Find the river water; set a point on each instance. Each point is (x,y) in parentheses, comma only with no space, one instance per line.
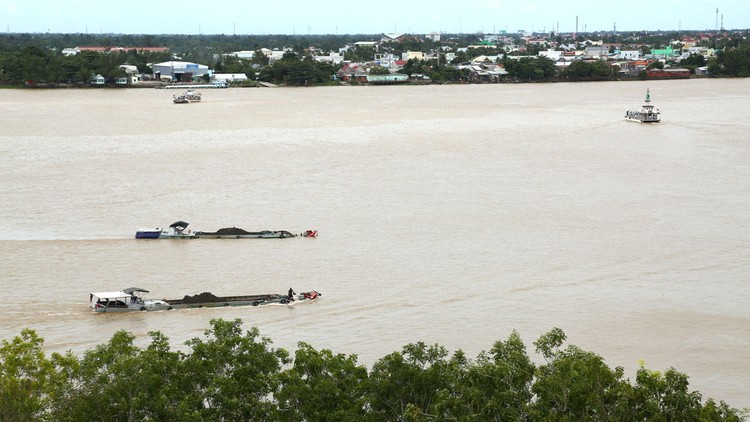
(447,214)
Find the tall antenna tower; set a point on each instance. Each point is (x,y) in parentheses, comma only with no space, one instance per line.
(717,18)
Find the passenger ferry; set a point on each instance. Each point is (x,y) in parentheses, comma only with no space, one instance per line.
(646,114)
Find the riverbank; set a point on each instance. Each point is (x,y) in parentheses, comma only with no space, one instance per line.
(416,82)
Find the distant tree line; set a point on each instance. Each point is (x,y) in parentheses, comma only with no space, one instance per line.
(231,375)
(45,66)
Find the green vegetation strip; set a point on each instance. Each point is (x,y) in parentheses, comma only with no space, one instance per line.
(231,375)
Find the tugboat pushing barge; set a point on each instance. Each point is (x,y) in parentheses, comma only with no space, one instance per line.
(131,299)
(177,231)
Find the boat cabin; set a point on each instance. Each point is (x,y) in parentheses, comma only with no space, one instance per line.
(121,301)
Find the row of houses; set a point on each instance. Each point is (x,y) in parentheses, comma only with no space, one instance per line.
(77,50)
(631,61)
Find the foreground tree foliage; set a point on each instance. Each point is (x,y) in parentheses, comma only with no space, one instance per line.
(234,375)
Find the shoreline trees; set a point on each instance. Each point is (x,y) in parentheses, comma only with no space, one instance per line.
(234,375)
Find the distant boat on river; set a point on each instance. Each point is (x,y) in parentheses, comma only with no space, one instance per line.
(646,114)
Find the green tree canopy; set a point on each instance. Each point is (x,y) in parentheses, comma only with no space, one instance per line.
(231,374)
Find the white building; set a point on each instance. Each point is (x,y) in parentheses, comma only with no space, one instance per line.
(174,70)
(230,77)
(385,60)
(333,58)
(553,55)
(245,54)
(132,73)
(274,55)
(629,55)
(596,51)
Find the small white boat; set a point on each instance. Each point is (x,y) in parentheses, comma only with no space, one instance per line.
(176,230)
(179,99)
(193,96)
(186,97)
(125,300)
(646,114)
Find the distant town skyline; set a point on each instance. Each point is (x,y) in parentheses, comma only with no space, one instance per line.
(386,16)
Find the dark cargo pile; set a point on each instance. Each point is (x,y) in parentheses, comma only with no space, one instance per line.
(204,297)
(231,231)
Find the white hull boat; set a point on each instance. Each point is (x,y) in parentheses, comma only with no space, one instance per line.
(125,300)
(646,114)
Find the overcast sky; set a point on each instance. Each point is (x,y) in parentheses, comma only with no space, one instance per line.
(373,17)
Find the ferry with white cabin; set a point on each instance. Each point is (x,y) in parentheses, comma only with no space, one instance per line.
(646,114)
